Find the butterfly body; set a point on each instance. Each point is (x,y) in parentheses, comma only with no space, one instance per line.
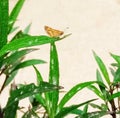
(53,32)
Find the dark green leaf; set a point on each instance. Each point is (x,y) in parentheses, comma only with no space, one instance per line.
(26,41)
(54,77)
(3,22)
(29,90)
(102,67)
(10,112)
(14,14)
(85,109)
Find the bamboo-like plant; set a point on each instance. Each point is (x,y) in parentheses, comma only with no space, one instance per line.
(12,53)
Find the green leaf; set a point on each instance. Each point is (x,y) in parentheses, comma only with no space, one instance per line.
(27,29)
(96,106)
(14,14)
(114,95)
(39,76)
(29,63)
(102,68)
(96,114)
(99,79)
(10,77)
(29,90)
(19,35)
(117,76)
(16,56)
(102,107)
(66,110)
(3,22)
(54,77)
(10,112)
(116,58)
(104,93)
(73,91)
(85,109)
(77,112)
(96,91)
(26,41)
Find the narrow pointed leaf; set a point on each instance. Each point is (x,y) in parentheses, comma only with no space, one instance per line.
(116,58)
(27,29)
(29,90)
(16,56)
(66,110)
(26,41)
(11,77)
(54,76)
(115,95)
(29,63)
(14,14)
(96,91)
(10,112)
(39,76)
(96,114)
(102,68)
(73,91)
(117,76)
(3,22)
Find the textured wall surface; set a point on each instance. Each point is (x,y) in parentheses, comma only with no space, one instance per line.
(94,24)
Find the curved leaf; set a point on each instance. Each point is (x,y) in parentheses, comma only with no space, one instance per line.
(26,41)
(73,91)
(29,63)
(29,90)
(14,14)
(96,91)
(102,68)
(66,110)
(115,95)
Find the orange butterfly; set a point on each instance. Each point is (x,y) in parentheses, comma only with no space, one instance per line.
(53,32)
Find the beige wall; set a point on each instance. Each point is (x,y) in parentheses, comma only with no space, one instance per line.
(94,24)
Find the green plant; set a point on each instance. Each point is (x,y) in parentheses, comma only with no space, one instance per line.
(53,108)
(109,93)
(12,53)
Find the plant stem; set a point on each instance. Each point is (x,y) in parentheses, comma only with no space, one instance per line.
(112,103)
(3,84)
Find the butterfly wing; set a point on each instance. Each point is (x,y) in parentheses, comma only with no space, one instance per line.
(53,32)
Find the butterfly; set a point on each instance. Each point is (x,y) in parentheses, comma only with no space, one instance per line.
(53,32)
